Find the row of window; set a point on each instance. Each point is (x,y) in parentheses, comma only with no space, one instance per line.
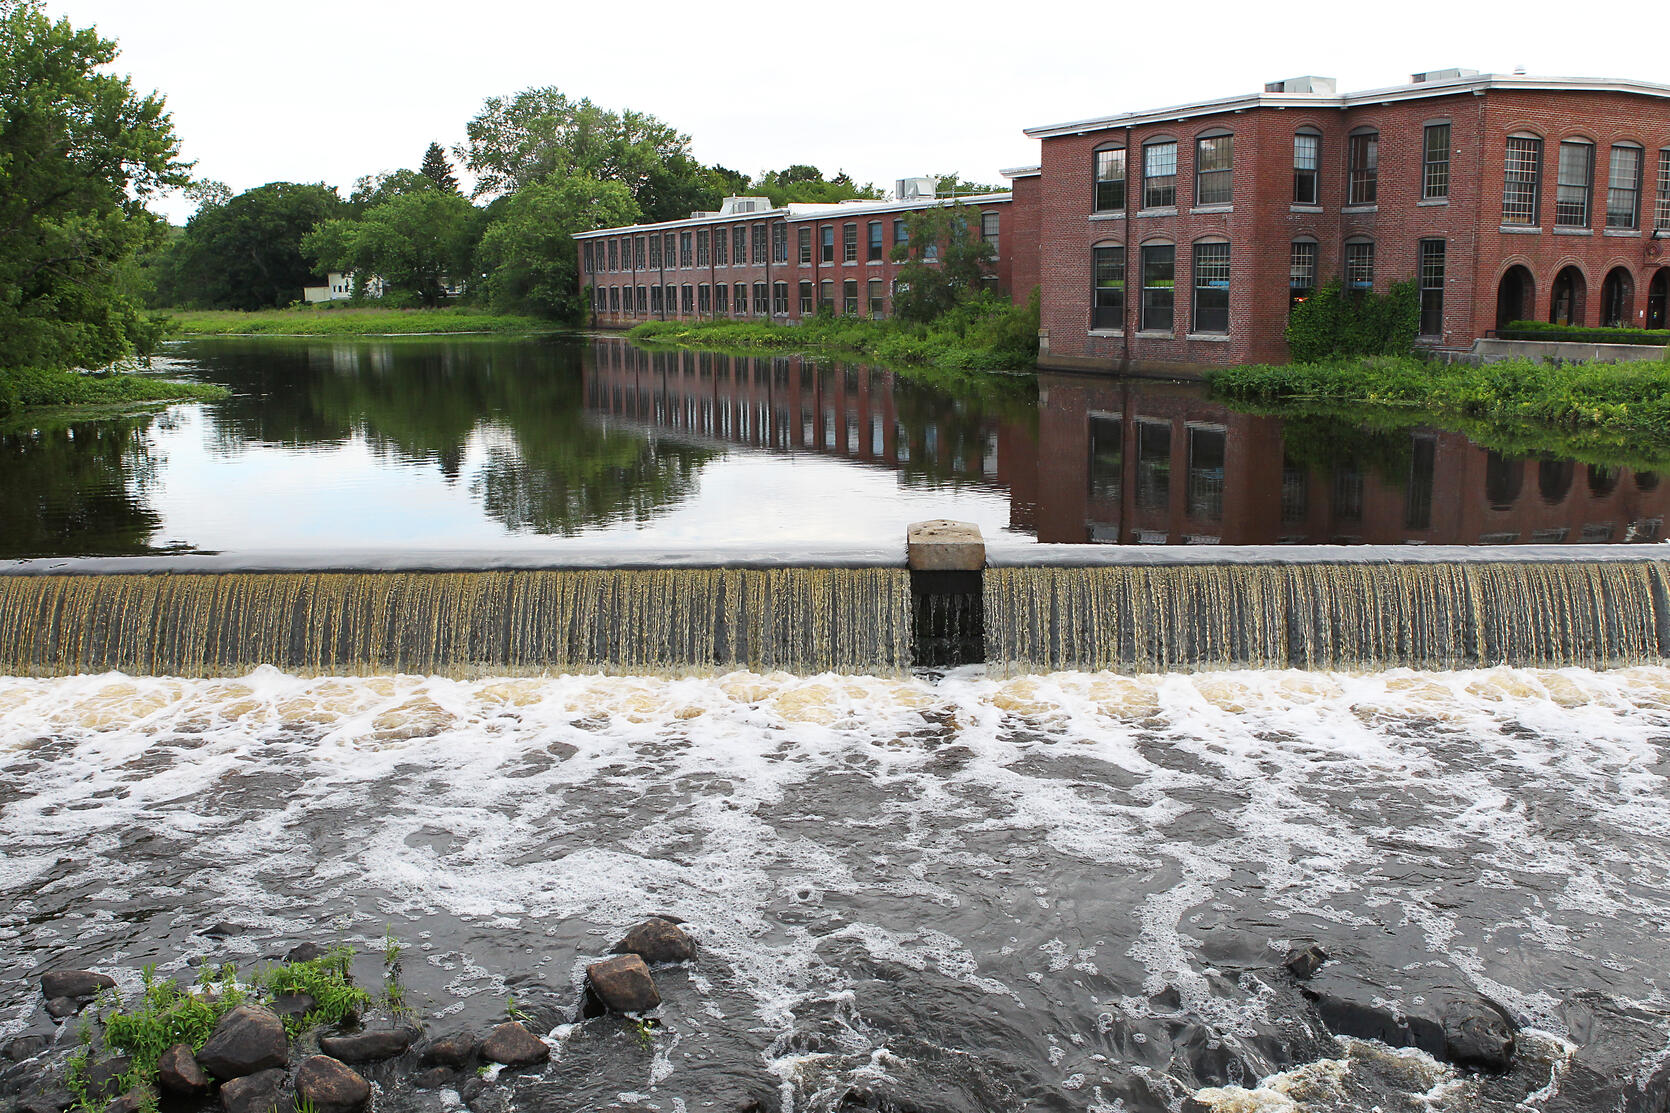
(733,300)
(1214,166)
(1210,282)
(697,247)
(1574,184)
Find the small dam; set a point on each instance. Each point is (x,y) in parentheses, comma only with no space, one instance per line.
(1044,608)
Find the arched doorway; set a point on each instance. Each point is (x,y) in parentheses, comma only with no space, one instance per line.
(1515,297)
(1566,306)
(1658,300)
(1554,479)
(1617,299)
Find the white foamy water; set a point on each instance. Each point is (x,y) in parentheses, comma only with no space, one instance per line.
(1001,893)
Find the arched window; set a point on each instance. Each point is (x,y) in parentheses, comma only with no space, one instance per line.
(1307,166)
(1521,179)
(1159,173)
(1574,183)
(1109,172)
(1301,271)
(1107,286)
(1623,187)
(1359,265)
(1214,168)
(1362,183)
(1211,287)
(1159,286)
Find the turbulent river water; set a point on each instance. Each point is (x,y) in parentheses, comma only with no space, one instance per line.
(1069,891)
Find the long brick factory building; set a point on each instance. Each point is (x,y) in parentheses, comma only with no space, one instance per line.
(1181,237)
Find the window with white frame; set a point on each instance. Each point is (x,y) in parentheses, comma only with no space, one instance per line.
(1623,187)
(1214,160)
(1107,309)
(1362,181)
(1159,286)
(1359,265)
(1435,161)
(1574,184)
(1211,288)
(1301,271)
(1521,174)
(1159,174)
(1307,160)
(1110,180)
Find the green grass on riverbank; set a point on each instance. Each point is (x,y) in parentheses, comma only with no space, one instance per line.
(1590,411)
(986,335)
(35,389)
(346,322)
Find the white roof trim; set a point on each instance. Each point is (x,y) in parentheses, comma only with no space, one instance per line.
(1449,87)
(1022,172)
(799,212)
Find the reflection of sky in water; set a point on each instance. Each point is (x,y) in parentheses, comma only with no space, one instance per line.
(350,496)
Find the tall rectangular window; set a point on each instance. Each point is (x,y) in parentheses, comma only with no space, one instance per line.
(1159,271)
(779,243)
(1623,188)
(704,302)
(721,292)
(1301,271)
(877,293)
(1432,288)
(990,223)
(1574,185)
(742,299)
(1110,181)
(739,244)
(1214,158)
(643,300)
(1211,304)
(849,243)
(672,299)
(806,298)
(1435,162)
(721,247)
(828,253)
(591,258)
(1153,463)
(655,293)
(669,242)
(1521,169)
(826,296)
(1107,456)
(1307,159)
(872,251)
(762,308)
(1159,175)
(901,233)
(1107,309)
(614,255)
(759,244)
(803,237)
(1359,266)
(1362,183)
(1205,493)
(638,253)
(655,253)
(1661,208)
(686,300)
(685,254)
(849,297)
(702,236)
(780,299)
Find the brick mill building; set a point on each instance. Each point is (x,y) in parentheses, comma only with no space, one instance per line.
(782,264)
(1181,237)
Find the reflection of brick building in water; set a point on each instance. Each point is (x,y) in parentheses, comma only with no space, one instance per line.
(1139,462)
(789,403)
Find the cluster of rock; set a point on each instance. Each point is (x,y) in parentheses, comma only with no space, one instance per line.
(251,1065)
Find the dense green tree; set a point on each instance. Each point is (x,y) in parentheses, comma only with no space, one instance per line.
(945,262)
(528,249)
(803,184)
(412,241)
(374,189)
(540,134)
(246,254)
(437,169)
(954,185)
(80,154)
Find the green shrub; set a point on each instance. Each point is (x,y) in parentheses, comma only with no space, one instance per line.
(1332,323)
(1543,330)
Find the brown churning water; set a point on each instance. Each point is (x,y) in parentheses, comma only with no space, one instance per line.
(802,620)
(1340,615)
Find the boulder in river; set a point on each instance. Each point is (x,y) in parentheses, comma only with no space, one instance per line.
(1303,962)
(367,1047)
(455,1050)
(331,1086)
(657,940)
(1444,1017)
(178,1072)
(266,1091)
(304,952)
(247,1040)
(623,984)
(74,983)
(288,1006)
(514,1046)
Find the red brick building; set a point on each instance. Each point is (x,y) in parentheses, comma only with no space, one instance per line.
(1180,236)
(780,264)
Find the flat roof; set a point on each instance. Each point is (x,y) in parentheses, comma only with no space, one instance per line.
(799,211)
(1477,83)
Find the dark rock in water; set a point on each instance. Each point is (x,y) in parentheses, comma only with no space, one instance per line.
(62,1008)
(304,952)
(657,940)
(1481,1038)
(74,983)
(221,929)
(104,1076)
(1302,962)
(1606,1072)
(623,984)
(247,1039)
(178,1072)
(21,1048)
(266,1091)
(365,1047)
(435,1078)
(514,1046)
(455,1050)
(132,1101)
(47,1101)
(331,1086)
(293,1005)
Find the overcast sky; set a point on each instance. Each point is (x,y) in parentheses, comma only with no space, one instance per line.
(334,90)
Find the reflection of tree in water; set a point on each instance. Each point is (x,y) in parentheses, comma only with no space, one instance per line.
(962,415)
(77,487)
(548,470)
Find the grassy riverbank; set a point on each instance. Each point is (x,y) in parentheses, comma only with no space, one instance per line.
(346,322)
(31,389)
(1590,411)
(988,335)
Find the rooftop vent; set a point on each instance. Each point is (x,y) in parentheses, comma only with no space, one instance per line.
(915,189)
(1450,74)
(744,205)
(1306,84)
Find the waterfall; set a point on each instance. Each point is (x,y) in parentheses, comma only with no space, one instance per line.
(458,623)
(1342,614)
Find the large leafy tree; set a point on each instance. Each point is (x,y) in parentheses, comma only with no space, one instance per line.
(801,183)
(80,154)
(412,240)
(541,134)
(528,250)
(246,254)
(945,262)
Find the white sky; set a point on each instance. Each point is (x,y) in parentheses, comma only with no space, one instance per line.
(335,89)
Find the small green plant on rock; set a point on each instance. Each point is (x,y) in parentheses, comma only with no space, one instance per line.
(644,1029)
